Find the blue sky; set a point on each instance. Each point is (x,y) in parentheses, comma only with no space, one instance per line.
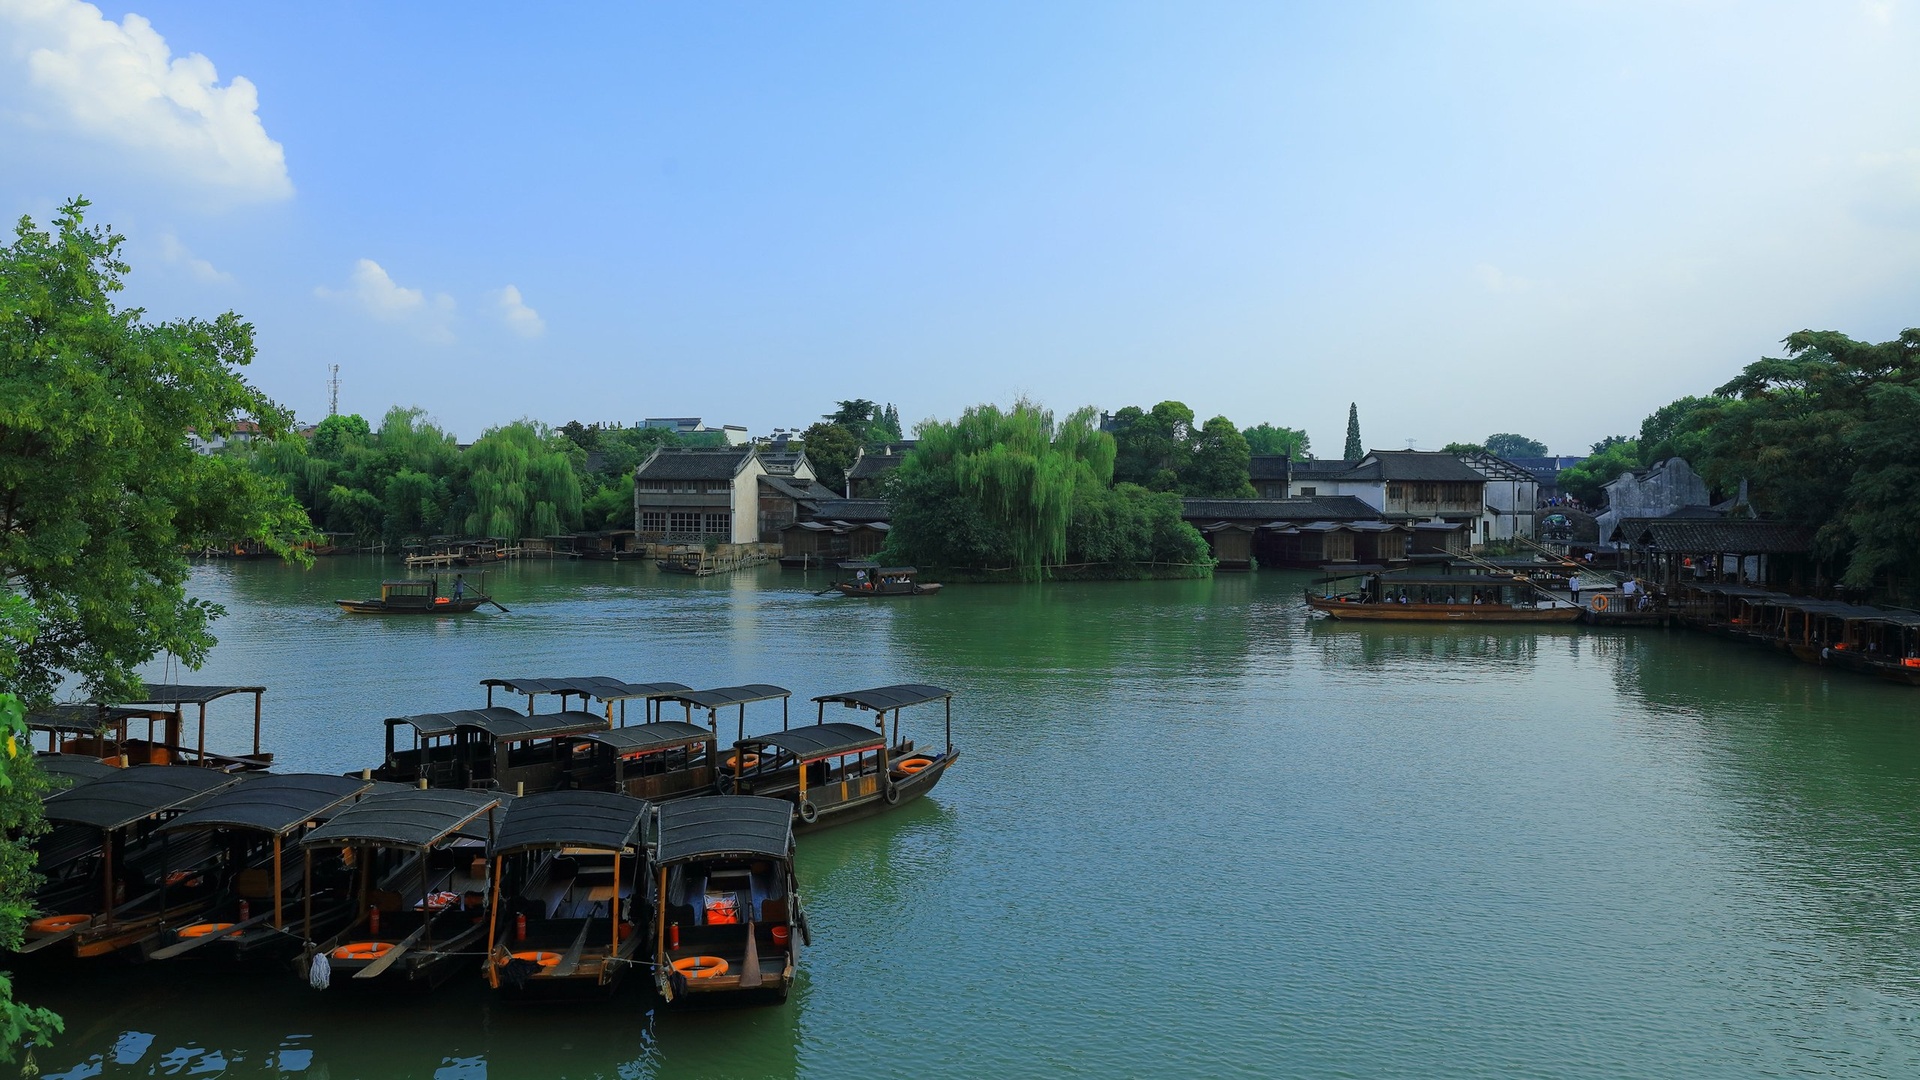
(1543,218)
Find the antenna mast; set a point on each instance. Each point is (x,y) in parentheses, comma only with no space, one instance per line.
(333,392)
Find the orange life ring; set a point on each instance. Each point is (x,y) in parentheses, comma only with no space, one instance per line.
(58,924)
(915,764)
(1600,602)
(363,950)
(441,600)
(748,762)
(700,967)
(544,959)
(202,929)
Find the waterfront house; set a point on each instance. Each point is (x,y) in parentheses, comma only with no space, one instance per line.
(1310,478)
(1512,495)
(1270,475)
(689,496)
(869,471)
(859,527)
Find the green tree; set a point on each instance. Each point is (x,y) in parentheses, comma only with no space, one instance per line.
(100,494)
(22,787)
(1508,445)
(1678,429)
(1610,442)
(1152,448)
(333,435)
(1216,466)
(831,449)
(886,426)
(1355,449)
(1587,481)
(521,481)
(1464,448)
(1268,439)
(856,416)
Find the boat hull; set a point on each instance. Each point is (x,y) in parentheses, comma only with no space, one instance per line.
(380,607)
(915,589)
(1479,613)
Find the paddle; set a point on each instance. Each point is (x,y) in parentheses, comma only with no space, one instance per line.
(374,969)
(750,968)
(498,604)
(570,961)
(190,944)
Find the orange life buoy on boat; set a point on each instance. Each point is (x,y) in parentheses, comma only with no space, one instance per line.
(441,600)
(544,959)
(58,924)
(203,929)
(363,950)
(700,967)
(1600,602)
(747,762)
(915,764)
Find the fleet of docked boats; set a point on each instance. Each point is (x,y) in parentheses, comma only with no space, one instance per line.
(550,854)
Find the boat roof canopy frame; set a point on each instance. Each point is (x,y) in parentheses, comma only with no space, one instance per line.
(276,803)
(596,820)
(815,741)
(716,826)
(135,793)
(414,817)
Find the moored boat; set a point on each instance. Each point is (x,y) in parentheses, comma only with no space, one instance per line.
(419,857)
(569,868)
(262,892)
(1430,597)
(836,772)
(496,748)
(728,924)
(415,596)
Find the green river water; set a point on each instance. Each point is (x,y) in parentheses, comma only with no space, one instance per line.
(1194,832)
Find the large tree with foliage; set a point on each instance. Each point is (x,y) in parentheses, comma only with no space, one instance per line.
(101,495)
(1216,463)
(22,787)
(1587,480)
(1355,449)
(1508,445)
(1268,439)
(830,449)
(521,480)
(1151,447)
(856,416)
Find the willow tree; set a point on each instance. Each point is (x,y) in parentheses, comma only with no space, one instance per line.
(1017,472)
(521,482)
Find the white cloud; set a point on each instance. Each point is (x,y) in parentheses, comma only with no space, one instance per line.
(177,253)
(376,293)
(119,84)
(519,318)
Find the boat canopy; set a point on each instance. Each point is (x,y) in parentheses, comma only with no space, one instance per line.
(84,719)
(171,694)
(275,804)
(114,802)
(76,768)
(884,698)
(647,738)
(415,817)
(720,825)
(730,695)
(598,820)
(820,740)
(501,723)
(598,687)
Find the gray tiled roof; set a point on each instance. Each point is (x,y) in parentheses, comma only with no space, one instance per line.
(686,464)
(872,465)
(1267,467)
(1262,511)
(852,510)
(1422,465)
(1310,469)
(1697,536)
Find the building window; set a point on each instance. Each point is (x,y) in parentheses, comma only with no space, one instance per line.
(1394,492)
(719,524)
(653,485)
(718,487)
(653,521)
(1309,491)
(684,521)
(685,487)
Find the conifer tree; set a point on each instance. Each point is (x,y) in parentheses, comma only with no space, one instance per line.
(1355,449)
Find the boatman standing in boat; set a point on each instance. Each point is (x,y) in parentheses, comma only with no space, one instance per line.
(459,586)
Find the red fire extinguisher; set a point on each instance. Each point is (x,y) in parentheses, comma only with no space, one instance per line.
(520,927)
(673,936)
(373,920)
(246,912)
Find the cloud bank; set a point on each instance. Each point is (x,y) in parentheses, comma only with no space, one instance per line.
(118,84)
(519,318)
(373,290)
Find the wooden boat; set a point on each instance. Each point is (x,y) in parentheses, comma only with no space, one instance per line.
(591,688)
(657,759)
(835,772)
(114,879)
(568,868)
(420,857)
(1445,597)
(884,581)
(729,923)
(414,596)
(257,894)
(495,748)
(104,732)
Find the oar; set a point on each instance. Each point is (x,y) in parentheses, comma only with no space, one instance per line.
(191,944)
(750,967)
(375,969)
(570,960)
(498,604)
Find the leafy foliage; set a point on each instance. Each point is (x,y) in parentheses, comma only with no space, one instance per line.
(1267,439)
(1355,449)
(100,492)
(1152,447)
(521,480)
(1508,445)
(831,448)
(857,416)
(1587,481)
(1216,464)
(1464,448)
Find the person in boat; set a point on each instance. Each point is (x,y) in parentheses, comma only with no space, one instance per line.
(861,577)
(459,586)
(1573,588)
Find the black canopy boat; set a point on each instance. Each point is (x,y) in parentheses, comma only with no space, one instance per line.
(496,748)
(657,759)
(417,596)
(835,772)
(871,579)
(260,889)
(567,867)
(103,731)
(421,908)
(113,878)
(728,922)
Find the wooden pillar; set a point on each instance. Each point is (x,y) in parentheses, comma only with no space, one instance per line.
(278,922)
